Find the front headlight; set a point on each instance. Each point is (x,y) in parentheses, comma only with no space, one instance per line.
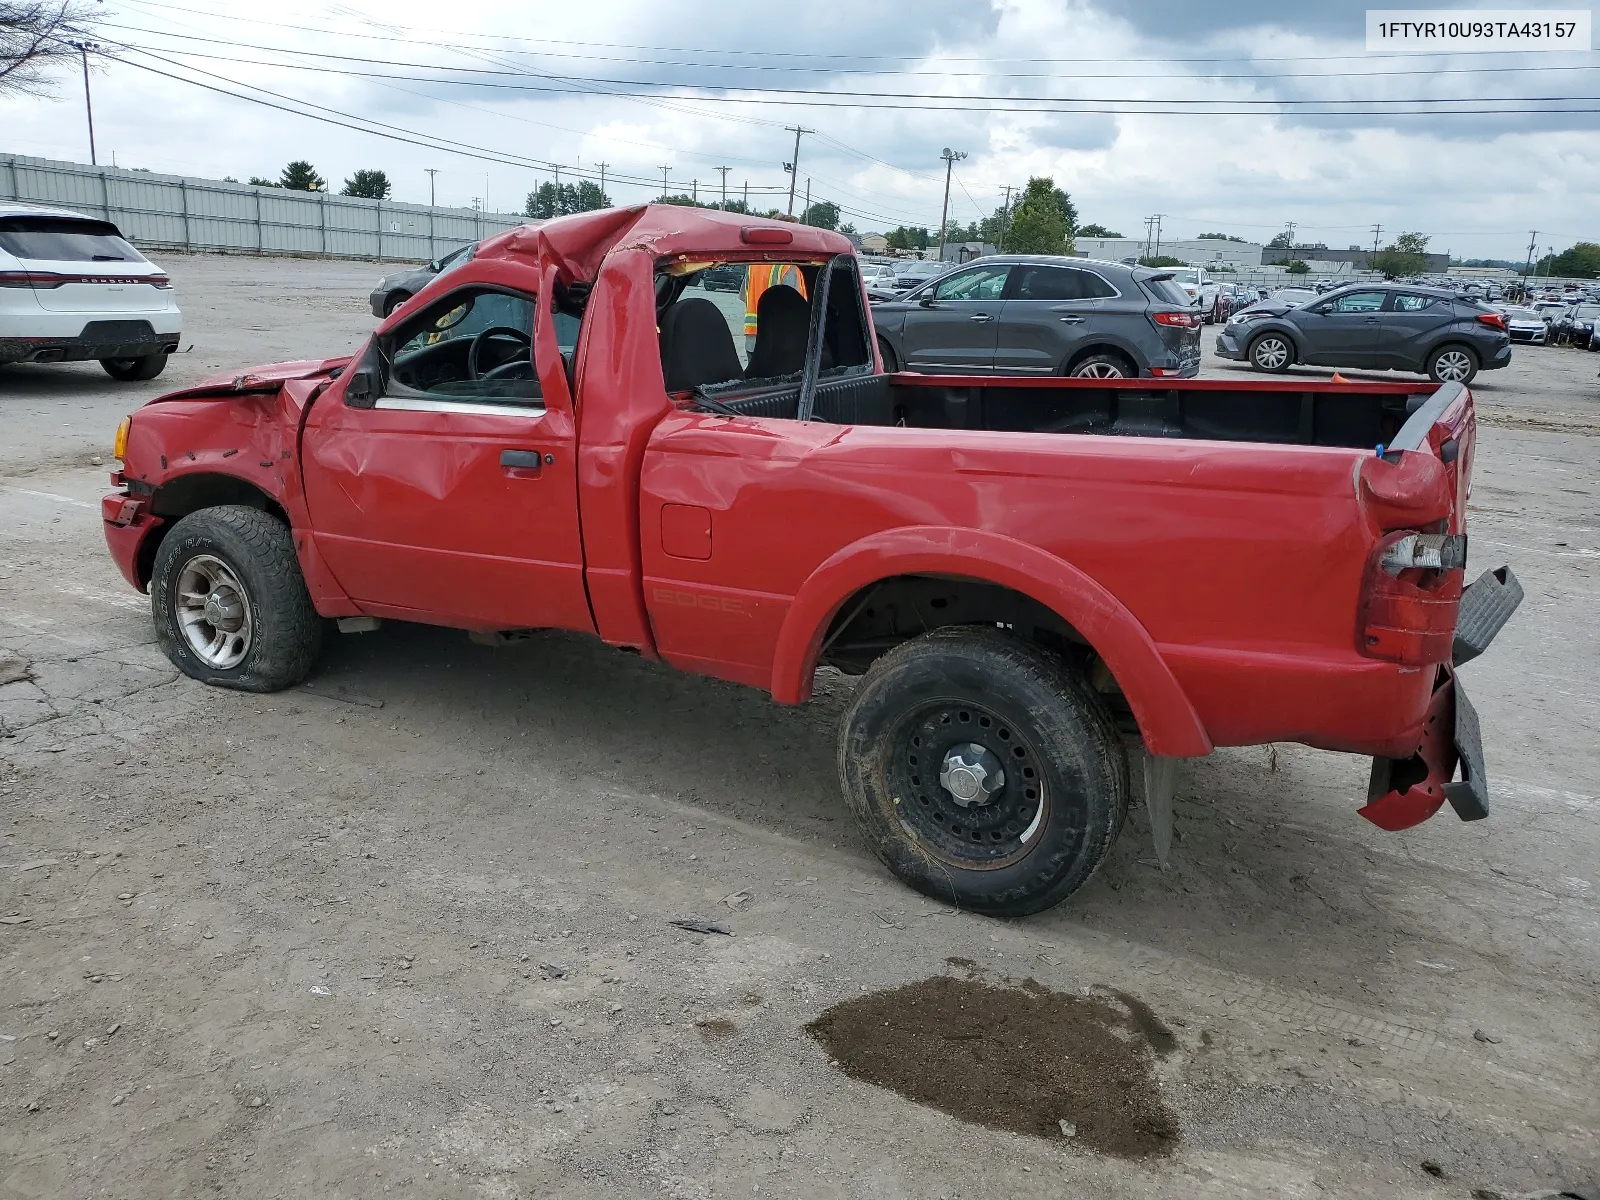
(119,444)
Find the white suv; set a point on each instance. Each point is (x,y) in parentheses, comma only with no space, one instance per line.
(1201,289)
(72,289)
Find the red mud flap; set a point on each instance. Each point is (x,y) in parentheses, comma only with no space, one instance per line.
(1406,792)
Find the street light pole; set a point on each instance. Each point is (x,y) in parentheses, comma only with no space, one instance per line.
(83,49)
(951,157)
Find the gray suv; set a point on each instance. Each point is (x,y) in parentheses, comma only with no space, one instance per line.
(1035,315)
(1383,326)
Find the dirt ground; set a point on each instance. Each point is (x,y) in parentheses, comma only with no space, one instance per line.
(404,931)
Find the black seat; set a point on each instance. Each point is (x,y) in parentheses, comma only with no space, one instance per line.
(696,346)
(783,326)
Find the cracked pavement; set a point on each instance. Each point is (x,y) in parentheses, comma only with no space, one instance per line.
(404,931)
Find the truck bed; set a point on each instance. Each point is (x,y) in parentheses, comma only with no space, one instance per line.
(1288,412)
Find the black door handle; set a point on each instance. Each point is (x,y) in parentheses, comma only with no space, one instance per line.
(523,460)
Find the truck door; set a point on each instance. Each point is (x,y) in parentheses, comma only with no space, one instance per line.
(442,484)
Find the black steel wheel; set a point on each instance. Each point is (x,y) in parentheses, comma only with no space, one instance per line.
(983,771)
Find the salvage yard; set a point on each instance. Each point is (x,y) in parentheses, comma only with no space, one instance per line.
(407,929)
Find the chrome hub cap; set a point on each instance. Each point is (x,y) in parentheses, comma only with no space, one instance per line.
(1272,353)
(213,611)
(971,774)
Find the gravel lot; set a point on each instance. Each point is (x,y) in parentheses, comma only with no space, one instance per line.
(404,931)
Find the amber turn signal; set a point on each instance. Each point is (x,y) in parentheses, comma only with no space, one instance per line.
(119,448)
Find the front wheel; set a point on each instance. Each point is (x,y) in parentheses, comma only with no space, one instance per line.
(1271,352)
(891,363)
(132,370)
(394,301)
(230,605)
(1452,364)
(982,771)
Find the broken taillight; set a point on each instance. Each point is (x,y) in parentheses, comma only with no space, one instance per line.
(1410,597)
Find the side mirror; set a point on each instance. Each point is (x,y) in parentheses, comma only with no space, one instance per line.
(359,392)
(926,301)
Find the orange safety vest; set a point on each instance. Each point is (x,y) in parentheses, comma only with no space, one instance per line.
(758,278)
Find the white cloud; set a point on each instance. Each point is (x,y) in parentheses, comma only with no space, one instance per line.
(1472,183)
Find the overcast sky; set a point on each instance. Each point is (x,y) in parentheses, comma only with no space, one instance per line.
(531,80)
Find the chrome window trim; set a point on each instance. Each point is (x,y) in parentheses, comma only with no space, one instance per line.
(465,407)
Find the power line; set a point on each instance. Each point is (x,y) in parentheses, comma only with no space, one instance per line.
(718,92)
(810,55)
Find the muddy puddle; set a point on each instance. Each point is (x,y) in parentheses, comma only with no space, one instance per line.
(1016,1057)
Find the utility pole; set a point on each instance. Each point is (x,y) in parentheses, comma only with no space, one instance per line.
(555,203)
(794,167)
(432,171)
(1149,236)
(1158,217)
(83,49)
(1377,230)
(951,158)
(603,167)
(1005,220)
(694,191)
(664,171)
(805,213)
(747,195)
(1533,238)
(724,171)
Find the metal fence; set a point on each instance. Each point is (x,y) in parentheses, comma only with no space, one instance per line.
(178,213)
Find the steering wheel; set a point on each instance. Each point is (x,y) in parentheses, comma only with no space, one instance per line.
(494,331)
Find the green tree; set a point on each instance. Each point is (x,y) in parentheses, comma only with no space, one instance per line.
(1582,261)
(301,176)
(1406,255)
(1160,260)
(588,196)
(1281,241)
(1298,267)
(822,214)
(1216,237)
(682,200)
(848,228)
(545,201)
(1100,231)
(1044,220)
(369,185)
(257,181)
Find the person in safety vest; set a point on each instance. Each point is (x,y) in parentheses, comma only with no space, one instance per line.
(758,277)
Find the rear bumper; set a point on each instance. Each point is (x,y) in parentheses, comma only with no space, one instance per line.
(1406,792)
(96,339)
(1499,357)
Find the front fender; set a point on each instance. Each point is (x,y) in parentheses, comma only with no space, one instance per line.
(1168,722)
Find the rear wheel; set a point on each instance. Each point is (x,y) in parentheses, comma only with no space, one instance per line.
(890,362)
(1271,352)
(1452,364)
(230,605)
(1102,366)
(982,771)
(131,370)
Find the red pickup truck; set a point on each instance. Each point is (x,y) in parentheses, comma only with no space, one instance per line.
(1033,575)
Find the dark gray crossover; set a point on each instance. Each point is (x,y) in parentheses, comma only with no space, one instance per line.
(396,288)
(1027,315)
(1394,327)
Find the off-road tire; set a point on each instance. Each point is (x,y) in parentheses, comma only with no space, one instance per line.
(1259,348)
(286,634)
(1039,710)
(1453,349)
(133,370)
